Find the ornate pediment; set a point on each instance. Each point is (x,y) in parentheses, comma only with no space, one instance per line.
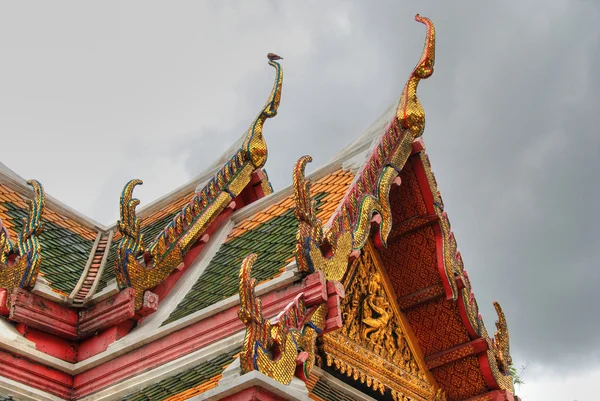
(372,346)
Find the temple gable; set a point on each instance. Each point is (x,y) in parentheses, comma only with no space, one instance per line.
(373,346)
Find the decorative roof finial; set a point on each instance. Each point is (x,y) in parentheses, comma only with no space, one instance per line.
(281,348)
(255,145)
(310,238)
(132,242)
(165,253)
(501,342)
(310,228)
(32,227)
(24,271)
(411,114)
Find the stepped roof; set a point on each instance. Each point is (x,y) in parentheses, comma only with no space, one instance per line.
(172,268)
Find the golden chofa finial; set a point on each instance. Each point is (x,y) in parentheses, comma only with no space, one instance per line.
(411,114)
(254,144)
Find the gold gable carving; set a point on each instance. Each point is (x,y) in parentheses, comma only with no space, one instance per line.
(372,346)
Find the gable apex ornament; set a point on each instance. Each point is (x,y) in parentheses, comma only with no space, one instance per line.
(350,227)
(143,267)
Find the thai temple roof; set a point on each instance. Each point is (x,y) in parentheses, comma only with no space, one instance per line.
(146,308)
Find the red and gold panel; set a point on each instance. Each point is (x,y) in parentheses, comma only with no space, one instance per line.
(406,200)
(438,326)
(374,345)
(411,262)
(461,379)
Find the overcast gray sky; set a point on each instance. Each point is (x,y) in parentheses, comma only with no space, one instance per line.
(93,94)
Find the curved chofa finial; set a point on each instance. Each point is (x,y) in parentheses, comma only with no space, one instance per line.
(286,346)
(254,144)
(501,342)
(350,227)
(309,237)
(411,114)
(22,271)
(165,253)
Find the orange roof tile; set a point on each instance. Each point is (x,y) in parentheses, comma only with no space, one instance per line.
(334,184)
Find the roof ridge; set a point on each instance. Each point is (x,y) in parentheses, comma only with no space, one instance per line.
(192,185)
(217,194)
(375,130)
(19,185)
(277,196)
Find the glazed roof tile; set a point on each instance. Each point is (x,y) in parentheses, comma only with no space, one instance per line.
(271,233)
(65,244)
(186,384)
(152,225)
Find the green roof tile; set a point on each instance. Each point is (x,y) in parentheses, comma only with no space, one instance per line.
(183,381)
(64,253)
(273,241)
(149,231)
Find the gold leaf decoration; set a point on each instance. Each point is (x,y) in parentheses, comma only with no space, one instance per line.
(20,261)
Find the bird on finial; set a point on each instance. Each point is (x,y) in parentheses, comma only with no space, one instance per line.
(273,57)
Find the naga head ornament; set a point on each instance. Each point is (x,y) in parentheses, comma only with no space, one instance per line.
(23,271)
(310,229)
(129,224)
(132,242)
(501,341)
(310,237)
(285,347)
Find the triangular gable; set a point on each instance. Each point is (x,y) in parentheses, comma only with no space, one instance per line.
(374,345)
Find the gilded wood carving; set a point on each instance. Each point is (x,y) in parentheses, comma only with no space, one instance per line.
(501,342)
(350,226)
(372,346)
(286,346)
(20,261)
(144,267)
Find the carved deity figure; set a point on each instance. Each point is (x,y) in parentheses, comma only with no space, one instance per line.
(376,312)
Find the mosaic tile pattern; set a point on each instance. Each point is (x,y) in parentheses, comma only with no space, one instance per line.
(412,265)
(412,262)
(65,244)
(271,234)
(406,200)
(461,379)
(437,325)
(187,384)
(152,225)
